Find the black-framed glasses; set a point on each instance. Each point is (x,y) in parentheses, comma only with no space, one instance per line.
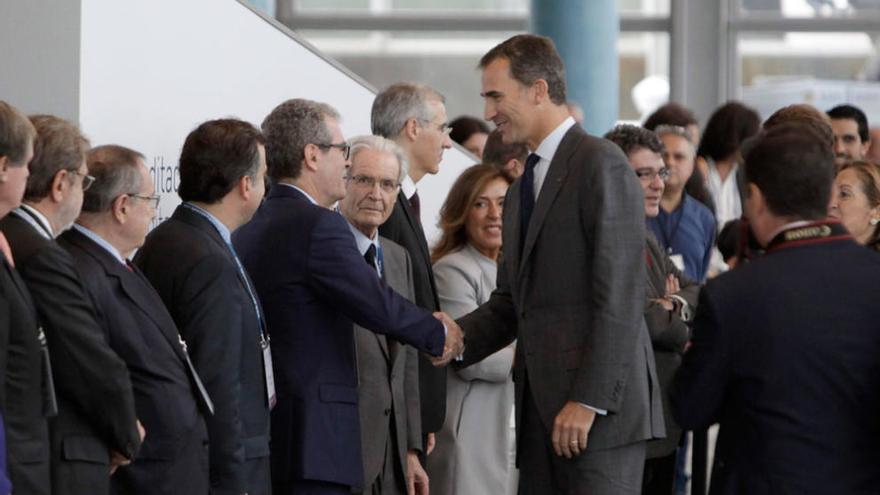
(647,175)
(344,147)
(154,199)
(87,180)
(367,182)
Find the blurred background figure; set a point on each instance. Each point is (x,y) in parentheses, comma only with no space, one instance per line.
(471,133)
(852,138)
(510,159)
(855,201)
(673,113)
(476,447)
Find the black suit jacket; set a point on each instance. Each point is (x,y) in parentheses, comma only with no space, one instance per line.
(194,271)
(785,357)
(21,397)
(172,459)
(96,411)
(404,228)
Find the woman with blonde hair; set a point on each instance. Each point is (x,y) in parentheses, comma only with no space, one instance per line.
(475,447)
(855,201)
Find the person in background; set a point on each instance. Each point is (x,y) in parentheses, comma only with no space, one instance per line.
(190,261)
(855,201)
(471,133)
(684,227)
(719,153)
(671,298)
(676,114)
(852,137)
(475,449)
(510,159)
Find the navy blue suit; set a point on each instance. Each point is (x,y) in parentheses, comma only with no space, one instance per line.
(786,357)
(313,284)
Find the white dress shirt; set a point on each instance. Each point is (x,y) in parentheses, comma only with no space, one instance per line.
(546,150)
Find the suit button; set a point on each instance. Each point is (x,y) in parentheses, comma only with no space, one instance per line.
(387,411)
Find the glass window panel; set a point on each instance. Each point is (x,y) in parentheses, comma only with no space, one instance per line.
(448,60)
(822,69)
(628,7)
(808,8)
(330,5)
(644,7)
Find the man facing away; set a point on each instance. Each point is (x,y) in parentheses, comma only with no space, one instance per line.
(388,377)
(168,394)
(571,288)
(95,429)
(190,261)
(784,348)
(313,284)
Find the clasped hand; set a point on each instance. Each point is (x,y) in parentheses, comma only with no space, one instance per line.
(454,345)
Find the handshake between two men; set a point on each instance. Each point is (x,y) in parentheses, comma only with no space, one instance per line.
(454,345)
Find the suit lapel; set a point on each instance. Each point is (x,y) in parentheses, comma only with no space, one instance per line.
(549,190)
(414,222)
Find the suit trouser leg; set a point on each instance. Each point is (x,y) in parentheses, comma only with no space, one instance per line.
(310,487)
(615,471)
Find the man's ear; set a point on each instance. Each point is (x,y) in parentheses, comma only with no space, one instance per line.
(245,186)
(120,206)
(540,90)
(60,185)
(4,168)
(310,157)
(754,194)
(411,129)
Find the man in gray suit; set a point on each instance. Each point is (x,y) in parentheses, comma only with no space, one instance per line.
(388,373)
(571,288)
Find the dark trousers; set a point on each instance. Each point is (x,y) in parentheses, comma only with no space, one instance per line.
(615,471)
(659,475)
(310,487)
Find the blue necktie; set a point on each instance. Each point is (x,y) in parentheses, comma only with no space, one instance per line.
(527,197)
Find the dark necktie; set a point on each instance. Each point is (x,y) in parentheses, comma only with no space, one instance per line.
(416,206)
(370,256)
(527,197)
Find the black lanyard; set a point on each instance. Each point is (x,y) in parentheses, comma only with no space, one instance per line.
(670,237)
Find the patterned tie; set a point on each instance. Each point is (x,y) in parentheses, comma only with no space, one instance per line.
(416,204)
(527,197)
(6,250)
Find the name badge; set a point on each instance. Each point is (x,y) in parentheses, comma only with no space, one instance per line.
(270,376)
(677,260)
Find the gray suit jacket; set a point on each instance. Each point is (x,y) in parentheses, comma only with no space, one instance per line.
(574,295)
(388,379)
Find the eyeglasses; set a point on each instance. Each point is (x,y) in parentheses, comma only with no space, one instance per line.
(87,180)
(442,128)
(646,175)
(344,147)
(367,182)
(154,199)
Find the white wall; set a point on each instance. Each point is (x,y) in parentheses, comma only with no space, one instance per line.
(150,71)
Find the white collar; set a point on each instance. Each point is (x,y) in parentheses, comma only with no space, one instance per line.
(100,241)
(37,220)
(408,187)
(363,242)
(547,148)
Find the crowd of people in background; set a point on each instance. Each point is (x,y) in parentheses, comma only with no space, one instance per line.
(589,300)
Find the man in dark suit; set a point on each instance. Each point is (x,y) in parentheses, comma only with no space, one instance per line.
(414,116)
(784,349)
(313,285)
(190,261)
(21,371)
(95,429)
(388,377)
(115,216)
(571,288)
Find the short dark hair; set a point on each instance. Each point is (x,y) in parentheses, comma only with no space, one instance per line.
(59,146)
(215,156)
(793,169)
(804,114)
(630,138)
(288,129)
(115,169)
(853,113)
(671,113)
(497,153)
(16,134)
(466,126)
(728,127)
(532,57)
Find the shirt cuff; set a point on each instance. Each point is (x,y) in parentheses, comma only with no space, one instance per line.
(601,412)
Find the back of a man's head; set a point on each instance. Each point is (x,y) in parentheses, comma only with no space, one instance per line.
(498,154)
(116,172)
(794,170)
(288,129)
(398,103)
(531,58)
(671,113)
(803,114)
(59,146)
(851,112)
(215,155)
(16,134)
